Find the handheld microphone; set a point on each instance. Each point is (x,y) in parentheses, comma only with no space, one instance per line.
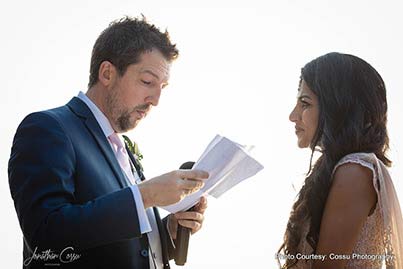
(183,233)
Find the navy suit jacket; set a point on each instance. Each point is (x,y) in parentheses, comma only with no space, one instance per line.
(71,196)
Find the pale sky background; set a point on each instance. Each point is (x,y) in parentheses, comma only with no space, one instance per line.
(237,76)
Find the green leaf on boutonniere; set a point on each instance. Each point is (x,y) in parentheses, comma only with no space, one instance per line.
(134,149)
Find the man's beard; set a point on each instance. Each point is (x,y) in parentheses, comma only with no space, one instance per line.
(124,123)
(121,116)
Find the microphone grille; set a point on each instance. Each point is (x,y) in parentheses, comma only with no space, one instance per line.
(187,165)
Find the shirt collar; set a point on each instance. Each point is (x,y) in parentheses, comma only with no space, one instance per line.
(99,116)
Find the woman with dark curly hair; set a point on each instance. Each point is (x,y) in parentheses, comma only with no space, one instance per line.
(347,214)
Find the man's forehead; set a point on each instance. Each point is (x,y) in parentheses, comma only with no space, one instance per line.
(156,71)
(155,64)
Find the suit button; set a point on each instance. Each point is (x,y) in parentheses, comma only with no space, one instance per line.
(144,253)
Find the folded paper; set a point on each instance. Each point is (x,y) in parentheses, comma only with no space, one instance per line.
(228,164)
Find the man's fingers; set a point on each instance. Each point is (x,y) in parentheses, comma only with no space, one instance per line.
(191,184)
(193,174)
(191,224)
(203,201)
(201,205)
(189,215)
(191,181)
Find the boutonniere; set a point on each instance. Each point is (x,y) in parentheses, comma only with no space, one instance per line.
(134,149)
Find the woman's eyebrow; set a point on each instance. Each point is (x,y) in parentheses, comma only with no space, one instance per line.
(304,96)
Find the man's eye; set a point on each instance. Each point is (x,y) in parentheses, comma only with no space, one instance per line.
(146,82)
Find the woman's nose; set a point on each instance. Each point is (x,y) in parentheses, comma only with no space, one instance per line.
(293,117)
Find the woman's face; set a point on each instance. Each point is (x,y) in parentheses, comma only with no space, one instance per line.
(305,115)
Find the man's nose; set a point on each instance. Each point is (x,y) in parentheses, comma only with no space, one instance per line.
(154,98)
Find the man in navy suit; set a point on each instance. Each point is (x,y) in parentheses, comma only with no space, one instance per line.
(79,193)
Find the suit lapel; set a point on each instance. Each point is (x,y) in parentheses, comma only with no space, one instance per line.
(81,109)
(135,163)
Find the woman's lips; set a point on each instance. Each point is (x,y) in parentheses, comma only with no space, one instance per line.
(298,129)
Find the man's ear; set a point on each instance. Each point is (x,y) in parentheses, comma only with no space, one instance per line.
(107,73)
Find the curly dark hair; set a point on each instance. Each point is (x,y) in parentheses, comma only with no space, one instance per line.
(352,118)
(124,41)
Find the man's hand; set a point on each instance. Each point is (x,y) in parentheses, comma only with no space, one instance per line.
(172,187)
(192,219)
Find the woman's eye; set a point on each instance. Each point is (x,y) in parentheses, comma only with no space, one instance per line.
(304,104)
(146,82)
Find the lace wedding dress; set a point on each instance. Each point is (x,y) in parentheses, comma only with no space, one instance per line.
(380,244)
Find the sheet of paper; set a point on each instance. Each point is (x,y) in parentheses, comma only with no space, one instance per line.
(228,164)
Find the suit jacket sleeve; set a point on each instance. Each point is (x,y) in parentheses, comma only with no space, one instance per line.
(42,170)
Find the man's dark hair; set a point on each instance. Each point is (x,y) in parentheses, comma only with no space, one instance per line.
(124,41)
